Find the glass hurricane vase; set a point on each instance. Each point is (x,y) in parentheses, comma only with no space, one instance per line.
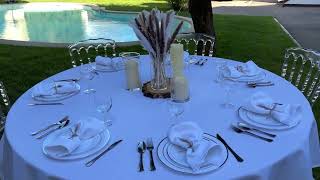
(159,78)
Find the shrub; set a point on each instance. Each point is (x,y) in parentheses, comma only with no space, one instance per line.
(178,4)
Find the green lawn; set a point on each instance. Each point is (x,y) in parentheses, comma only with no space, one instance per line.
(238,37)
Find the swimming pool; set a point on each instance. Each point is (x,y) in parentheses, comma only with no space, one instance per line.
(65,23)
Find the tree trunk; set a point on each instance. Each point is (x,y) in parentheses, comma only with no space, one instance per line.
(202,16)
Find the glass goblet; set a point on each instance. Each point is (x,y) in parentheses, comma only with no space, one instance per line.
(103,106)
(87,74)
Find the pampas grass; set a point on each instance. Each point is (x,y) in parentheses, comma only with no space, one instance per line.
(155,31)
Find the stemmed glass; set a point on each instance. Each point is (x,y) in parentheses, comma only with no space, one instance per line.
(103,106)
(227,85)
(175,109)
(87,73)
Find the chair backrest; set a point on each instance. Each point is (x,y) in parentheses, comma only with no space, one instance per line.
(197,43)
(301,67)
(85,51)
(4,106)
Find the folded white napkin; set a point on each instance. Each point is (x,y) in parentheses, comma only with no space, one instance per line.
(68,141)
(52,88)
(261,103)
(103,61)
(189,136)
(247,69)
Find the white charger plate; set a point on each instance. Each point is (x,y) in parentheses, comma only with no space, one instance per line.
(87,147)
(177,163)
(118,65)
(265,122)
(257,78)
(57,97)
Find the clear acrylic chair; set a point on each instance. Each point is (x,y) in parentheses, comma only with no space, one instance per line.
(85,51)
(197,43)
(301,67)
(4,107)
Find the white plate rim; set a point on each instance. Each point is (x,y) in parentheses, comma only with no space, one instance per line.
(185,166)
(184,170)
(243,116)
(115,69)
(104,138)
(257,78)
(62,97)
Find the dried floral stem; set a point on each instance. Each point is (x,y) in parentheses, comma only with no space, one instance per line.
(154,30)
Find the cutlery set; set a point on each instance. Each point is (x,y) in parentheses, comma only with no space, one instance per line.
(68,80)
(200,62)
(243,128)
(259,84)
(51,128)
(238,130)
(142,148)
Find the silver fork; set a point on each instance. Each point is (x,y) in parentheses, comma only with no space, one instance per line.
(150,147)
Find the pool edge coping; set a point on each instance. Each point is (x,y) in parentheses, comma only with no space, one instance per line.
(64,45)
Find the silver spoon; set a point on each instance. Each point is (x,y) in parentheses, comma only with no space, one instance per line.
(238,130)
(141,150)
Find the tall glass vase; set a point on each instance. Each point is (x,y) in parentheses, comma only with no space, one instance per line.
(159,78)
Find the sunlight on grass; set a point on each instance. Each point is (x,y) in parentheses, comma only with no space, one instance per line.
(132,5)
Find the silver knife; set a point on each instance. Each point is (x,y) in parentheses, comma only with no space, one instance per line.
(43,104)
(91,162)
(64,124)
(50,126)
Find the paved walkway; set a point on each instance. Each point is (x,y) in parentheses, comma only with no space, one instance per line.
(303,23)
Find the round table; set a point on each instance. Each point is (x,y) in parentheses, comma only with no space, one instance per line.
(291,156)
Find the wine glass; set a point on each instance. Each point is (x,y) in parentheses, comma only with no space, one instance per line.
(87,74)
(103,106)
(227,85)
(175,109)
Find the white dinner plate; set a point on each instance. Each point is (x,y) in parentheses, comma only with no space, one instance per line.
(257,78)
(87,147)
(118,65)
(57,97)
(265,122)
(175,160)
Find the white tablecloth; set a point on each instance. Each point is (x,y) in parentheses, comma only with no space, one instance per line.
(291,156)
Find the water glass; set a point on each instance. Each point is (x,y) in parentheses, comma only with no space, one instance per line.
(87,74)
(175,109)
(103,106)
(131,61)
(226,84)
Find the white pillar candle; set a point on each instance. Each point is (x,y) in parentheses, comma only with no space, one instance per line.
(132,74)
(176,56)
(180,89)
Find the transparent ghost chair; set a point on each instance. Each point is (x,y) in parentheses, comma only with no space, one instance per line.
(197,43)
(4,107)
(301,67)
(85,51)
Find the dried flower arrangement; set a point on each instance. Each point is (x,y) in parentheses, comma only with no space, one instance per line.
(154,29)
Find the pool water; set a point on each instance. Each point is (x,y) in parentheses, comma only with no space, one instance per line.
(64,23)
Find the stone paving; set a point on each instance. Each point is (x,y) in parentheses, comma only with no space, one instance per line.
(303,23)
